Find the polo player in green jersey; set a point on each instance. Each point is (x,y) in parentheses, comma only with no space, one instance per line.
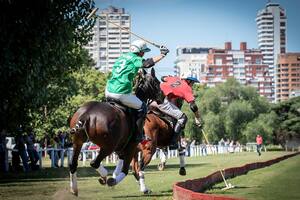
(120,85)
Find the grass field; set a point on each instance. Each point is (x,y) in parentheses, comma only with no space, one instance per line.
(279,181)
(50,183)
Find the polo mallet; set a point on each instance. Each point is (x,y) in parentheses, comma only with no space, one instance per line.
(125,29)
(228,185)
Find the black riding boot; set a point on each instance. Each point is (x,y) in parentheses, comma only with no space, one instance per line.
(174,140)
(140,136)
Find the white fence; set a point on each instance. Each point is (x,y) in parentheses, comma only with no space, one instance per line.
(59,155)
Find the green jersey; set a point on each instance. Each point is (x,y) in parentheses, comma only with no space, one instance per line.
(123,73)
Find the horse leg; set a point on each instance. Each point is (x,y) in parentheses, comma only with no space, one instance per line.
(181,153)
(135,166)
(144,159)
(163,159)
(96,163)
(118,168)
(77,144)
(128,155)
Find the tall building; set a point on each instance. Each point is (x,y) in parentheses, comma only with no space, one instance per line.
(271,29)
(109,41)
(245,65)
(288,76)
(191,60)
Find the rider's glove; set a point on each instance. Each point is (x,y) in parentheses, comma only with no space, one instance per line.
(198,122)
(164,50)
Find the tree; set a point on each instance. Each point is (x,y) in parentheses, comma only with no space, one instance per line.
(238,114)
(288,113)
(265,125)
(214,126)
(40,43)
(80,86)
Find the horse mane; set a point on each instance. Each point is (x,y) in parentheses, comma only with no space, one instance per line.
(147,86)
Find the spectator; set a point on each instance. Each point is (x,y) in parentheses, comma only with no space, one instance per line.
(259,141)
(2,151)
(20,145)
(203,149)
(32,153)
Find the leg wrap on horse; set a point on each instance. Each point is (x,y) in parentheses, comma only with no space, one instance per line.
(118,168)
(120,177)
(73,183)
(102,171)
(142,181)
(141,162)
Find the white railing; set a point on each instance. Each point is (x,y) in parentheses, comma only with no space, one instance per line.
(58,155)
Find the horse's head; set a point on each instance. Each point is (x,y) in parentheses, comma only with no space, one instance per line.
(147,86)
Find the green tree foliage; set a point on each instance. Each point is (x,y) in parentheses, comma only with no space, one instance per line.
(265,125)
(238,114)
(40,44)
(211,101)
(214,126)
(227,109)
(83,85)
(288,113)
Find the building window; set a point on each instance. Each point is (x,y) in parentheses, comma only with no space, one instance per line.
(257,61)
(235,61)
(218,61)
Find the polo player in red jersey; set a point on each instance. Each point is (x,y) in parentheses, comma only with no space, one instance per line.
(176,90)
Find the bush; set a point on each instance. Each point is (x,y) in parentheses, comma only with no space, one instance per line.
(274,148)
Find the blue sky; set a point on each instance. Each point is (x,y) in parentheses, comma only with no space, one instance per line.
(207,23)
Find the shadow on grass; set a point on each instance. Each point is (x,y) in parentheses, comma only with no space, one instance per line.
(166,193)
(151,168)
(61,174)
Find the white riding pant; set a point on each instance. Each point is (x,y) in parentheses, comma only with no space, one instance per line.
(172,110)
(129,100)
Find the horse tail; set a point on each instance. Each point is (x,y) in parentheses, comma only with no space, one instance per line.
(80,124)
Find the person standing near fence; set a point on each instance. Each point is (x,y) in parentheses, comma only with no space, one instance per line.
(259,141)
(20,144)
(32,153)
(2,151)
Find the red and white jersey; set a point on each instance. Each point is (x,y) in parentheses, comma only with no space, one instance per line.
(174,87)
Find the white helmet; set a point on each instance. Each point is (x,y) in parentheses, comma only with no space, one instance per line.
(139,46)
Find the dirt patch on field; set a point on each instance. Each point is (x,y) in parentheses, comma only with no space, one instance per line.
(63,194)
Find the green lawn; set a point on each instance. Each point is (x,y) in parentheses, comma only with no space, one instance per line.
(279,181)
(51,183)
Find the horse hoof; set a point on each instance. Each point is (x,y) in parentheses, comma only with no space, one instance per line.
(182,171)
(93,164)
(161,166)
(147,191)
(102,180)
(111,182)
(74,192)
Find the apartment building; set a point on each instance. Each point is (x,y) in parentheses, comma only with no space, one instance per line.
(271,30)
(288,84)
(109,41)
(245,65)
(191,60)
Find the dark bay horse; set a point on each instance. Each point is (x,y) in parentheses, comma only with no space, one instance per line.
(160,131)
(110,127)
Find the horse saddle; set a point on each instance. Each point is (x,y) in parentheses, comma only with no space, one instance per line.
(166,118)
(129,112)
(118,104)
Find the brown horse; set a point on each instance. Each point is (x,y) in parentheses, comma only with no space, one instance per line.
(160,131)
(111,127)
